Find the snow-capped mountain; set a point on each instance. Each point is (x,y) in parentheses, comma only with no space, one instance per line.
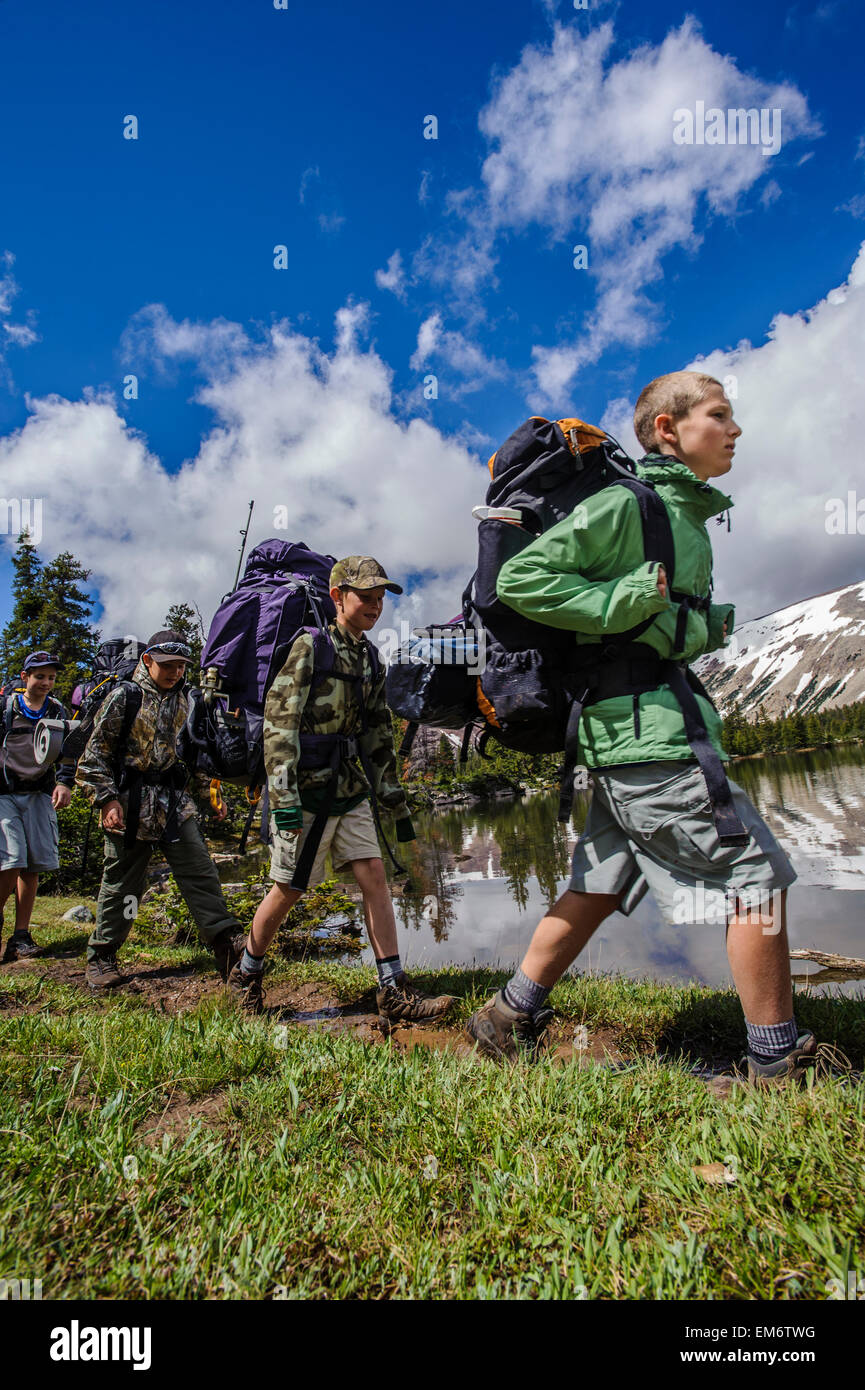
(809,656)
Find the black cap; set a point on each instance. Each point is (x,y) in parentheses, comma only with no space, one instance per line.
(39,659)
(167,646)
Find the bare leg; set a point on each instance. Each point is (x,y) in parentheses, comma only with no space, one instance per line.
(377,906)
(25,897)
(8,880)
(270,915)
(561,935)
(759,957)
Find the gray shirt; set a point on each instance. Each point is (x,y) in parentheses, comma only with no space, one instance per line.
(18,756)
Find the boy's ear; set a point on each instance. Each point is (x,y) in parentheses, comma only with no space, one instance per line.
(665,429)
(336,594)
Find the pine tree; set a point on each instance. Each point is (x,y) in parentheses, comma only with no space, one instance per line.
(50,610)
(187,621)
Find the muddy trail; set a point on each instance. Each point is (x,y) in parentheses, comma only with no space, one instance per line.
(177,989)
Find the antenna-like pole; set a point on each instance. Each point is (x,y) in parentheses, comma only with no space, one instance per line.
(244,534)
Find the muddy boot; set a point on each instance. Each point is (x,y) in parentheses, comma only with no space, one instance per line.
(247,990)
(102,972)
(227,950)
(507,1034)
(19,946)
(402,1002)
(786,1070)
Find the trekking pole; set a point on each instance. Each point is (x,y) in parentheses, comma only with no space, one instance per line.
(244,534)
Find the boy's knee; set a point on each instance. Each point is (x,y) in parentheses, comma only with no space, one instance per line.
(369,872)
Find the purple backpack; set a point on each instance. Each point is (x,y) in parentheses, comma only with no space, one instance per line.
(285,590)
(284,587)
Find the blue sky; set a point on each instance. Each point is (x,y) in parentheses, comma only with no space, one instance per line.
(304,127)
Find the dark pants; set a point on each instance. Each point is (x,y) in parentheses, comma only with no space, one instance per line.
(124,881)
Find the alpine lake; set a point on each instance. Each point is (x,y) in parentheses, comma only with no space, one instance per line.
(480,879)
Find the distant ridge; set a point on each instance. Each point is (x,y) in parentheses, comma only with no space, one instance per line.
(808,656)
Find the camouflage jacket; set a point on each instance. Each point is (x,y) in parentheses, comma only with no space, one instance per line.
(152,747)
(332,708)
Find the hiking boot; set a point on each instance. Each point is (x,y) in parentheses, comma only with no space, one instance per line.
(403,1002)
(227,950)
(506,1033)
(247,990)
(19,946)
(791,1068)
(102,972)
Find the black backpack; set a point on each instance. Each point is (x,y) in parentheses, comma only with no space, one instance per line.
(528,683)
(115,661)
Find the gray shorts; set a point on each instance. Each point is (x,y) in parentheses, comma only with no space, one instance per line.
(650,826)
(29,837)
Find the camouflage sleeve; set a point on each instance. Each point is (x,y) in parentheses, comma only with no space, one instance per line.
(381,753)
(283,711)
(95,775)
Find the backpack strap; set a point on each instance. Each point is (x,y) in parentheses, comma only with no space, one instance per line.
(324,664)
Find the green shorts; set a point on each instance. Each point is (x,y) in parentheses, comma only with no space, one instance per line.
(650,826)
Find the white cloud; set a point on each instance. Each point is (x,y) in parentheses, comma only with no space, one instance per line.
(307,178)
(295,426)
(393,277)
(457,353)
(13,334)
(799,401)
(583,147)
(771,193)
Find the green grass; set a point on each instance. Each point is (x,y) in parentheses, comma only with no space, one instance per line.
(319,1166)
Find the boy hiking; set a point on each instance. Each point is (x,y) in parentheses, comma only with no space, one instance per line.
(30,796)
(130,772)
(662,815)
(315,731)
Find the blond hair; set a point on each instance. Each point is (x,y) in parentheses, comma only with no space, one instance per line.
(674,394)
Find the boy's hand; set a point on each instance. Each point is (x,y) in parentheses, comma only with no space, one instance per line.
(112,816)
(60,797)
(662,581)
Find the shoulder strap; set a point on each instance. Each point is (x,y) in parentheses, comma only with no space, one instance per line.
(655,520)
(133,695)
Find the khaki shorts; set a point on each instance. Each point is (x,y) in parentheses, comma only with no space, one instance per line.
(348,837)
(650,826)
(29,835)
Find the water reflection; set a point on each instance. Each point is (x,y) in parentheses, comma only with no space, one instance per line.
(482,877)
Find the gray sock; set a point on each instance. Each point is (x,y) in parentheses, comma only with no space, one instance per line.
(523,994)
(249,964)
(768,1041)
(388,969)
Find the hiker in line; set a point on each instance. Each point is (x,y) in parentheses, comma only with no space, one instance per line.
(313,736)
(131,773)
(651,823)
(30,796)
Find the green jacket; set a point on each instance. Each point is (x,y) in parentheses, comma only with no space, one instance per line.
(588,574)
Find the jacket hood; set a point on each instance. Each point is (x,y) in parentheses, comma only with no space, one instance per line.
(661,468)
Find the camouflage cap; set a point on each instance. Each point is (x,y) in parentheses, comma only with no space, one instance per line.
(361,572)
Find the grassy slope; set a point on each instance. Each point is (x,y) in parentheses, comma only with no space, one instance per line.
(207,1155)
